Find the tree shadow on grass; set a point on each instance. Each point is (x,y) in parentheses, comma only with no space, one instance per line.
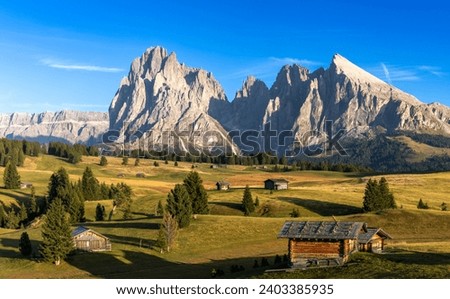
(148,265)
(122,224)
(418,258)
(323,208)
(230,205)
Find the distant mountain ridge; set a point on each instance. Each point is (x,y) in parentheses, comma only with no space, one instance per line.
(65,126)
(182,108)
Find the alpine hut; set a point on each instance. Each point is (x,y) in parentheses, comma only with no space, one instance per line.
(321,243)
(86,239)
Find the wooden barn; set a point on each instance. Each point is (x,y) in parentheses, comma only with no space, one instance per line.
(222,185)
(321,243)
(276,184)
(86,239)
(25,185)
(373,240)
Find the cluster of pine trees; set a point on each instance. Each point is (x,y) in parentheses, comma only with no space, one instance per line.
(14,151)
(183,201)
(72,153)
(377,196)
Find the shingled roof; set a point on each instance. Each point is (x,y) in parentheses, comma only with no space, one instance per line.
(365,238)
(277,180)
(330,230)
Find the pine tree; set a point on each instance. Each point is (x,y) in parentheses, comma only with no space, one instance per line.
(256,201)
(125,161)
(58,185)
(167,234)
(179,205)
(2,216)
(23,215)
(103,161)
(159,208)
(12,220)
(100,213)
(175,163)
(137,162)
(25,247)
(70,195)
(11,177)
(33,210)
(20,158)
(197,193)
(247,202)
(371,196)
(377,196)
(90,185)
(387,197)
(56,235)
(422,205)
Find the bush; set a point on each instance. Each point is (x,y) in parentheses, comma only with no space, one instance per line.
(295,213)
(422,205)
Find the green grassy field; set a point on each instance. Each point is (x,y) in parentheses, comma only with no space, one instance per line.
(421,244)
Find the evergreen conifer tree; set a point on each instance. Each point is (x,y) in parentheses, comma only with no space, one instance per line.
(2,216)
(56,234)
(23,215)
(100,212)
(103,161)
(371,196)
(387,197)
(179,205)
(25,247)
(20,157)
(90,185)
(159,208)
(197,193)
(125,161)
(11,177)
(137,162)
(247,202)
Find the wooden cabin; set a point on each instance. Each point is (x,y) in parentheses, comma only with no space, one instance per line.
(373,240)
(25,185)
(222,185)
(86,239)
(276,184)
(321,243)
(140,175)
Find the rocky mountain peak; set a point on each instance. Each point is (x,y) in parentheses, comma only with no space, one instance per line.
(252,88)
(160,95)
(341,65)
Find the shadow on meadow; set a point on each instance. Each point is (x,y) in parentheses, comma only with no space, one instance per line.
(418,258)
(322,208)
(145,265)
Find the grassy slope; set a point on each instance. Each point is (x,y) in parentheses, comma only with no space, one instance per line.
(226,238)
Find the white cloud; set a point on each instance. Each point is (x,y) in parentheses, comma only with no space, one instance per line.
(290,60)
(79,67)
(434,70)
(386,73)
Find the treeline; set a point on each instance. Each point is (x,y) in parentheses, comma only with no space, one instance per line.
(386,155)
(15,151)
(432,140)
(72,153)
(72,194)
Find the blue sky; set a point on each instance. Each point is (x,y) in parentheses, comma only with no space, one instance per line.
(72,54)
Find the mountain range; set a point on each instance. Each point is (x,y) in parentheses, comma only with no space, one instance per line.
(168,105)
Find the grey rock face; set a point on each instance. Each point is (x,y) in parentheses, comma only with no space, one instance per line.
(354,100)
(169,104)
(64,126)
